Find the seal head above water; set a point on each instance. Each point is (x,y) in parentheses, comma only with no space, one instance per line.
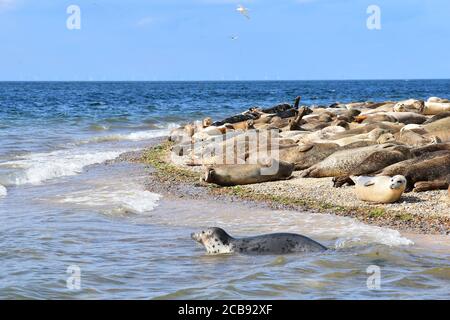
(217,241)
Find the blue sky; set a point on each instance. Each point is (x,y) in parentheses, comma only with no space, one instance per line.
(191,40)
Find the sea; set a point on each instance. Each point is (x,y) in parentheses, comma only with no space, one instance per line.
(75,224)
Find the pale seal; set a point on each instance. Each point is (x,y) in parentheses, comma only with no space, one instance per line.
(380,189)
(217,241)
(433,108)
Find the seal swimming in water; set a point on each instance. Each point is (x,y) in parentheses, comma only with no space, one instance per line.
(217,241)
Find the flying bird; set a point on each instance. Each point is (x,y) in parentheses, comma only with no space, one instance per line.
(242,10)
(234,37)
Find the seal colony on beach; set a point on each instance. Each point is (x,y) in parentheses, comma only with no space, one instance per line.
(217,241)
(410,138)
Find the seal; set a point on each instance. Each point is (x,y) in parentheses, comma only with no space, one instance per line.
(374,135)
(374,118)
(217,241)
(428,163)
(439,116)
(437,99)
(238,174)
(428,167)
(408,117)
(379,189)
(433,108)
(391,127)
(358,161)
(415,139)
(181,134)
(430,185)
(408,105)
(306,155)
(206,122)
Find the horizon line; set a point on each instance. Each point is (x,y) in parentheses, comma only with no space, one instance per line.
(248,80)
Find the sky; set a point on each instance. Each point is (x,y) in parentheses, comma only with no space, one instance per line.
(210,40)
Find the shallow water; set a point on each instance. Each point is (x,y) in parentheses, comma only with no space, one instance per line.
(61,207)
(130,243)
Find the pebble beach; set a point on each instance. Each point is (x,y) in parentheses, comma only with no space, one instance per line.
(425,212)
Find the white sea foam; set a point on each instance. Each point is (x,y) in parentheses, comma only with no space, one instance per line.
(363,234)
(3,191)
(350,232)
(343,232)
(37,167)
(133,136)
(110,200)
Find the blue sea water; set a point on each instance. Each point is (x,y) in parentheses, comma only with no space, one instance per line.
(60,111)
(59,206)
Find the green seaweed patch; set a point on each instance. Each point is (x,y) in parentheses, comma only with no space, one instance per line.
(377,213)
(404,216)
(157,158)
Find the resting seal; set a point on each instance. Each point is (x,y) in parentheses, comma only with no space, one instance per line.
(217,241)
(428,167)
(380,189)
(306,155)
(433,108)
(237,174)
(358,161)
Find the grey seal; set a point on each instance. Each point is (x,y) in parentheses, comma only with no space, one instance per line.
(217,241)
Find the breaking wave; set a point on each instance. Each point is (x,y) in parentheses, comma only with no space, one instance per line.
(112,201)
(35,168)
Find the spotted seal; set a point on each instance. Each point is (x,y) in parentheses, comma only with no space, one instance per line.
(358,161)
(434,166)
(217,241)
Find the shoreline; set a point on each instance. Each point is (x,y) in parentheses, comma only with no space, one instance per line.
(412,215)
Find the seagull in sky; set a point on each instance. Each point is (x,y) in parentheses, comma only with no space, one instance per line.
(242,10)
(234,37)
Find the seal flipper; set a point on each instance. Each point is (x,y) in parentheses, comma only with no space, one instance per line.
(340,181)
(209,171)
(368,183)
(365,181)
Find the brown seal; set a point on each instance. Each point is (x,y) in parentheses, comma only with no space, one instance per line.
(239,174)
